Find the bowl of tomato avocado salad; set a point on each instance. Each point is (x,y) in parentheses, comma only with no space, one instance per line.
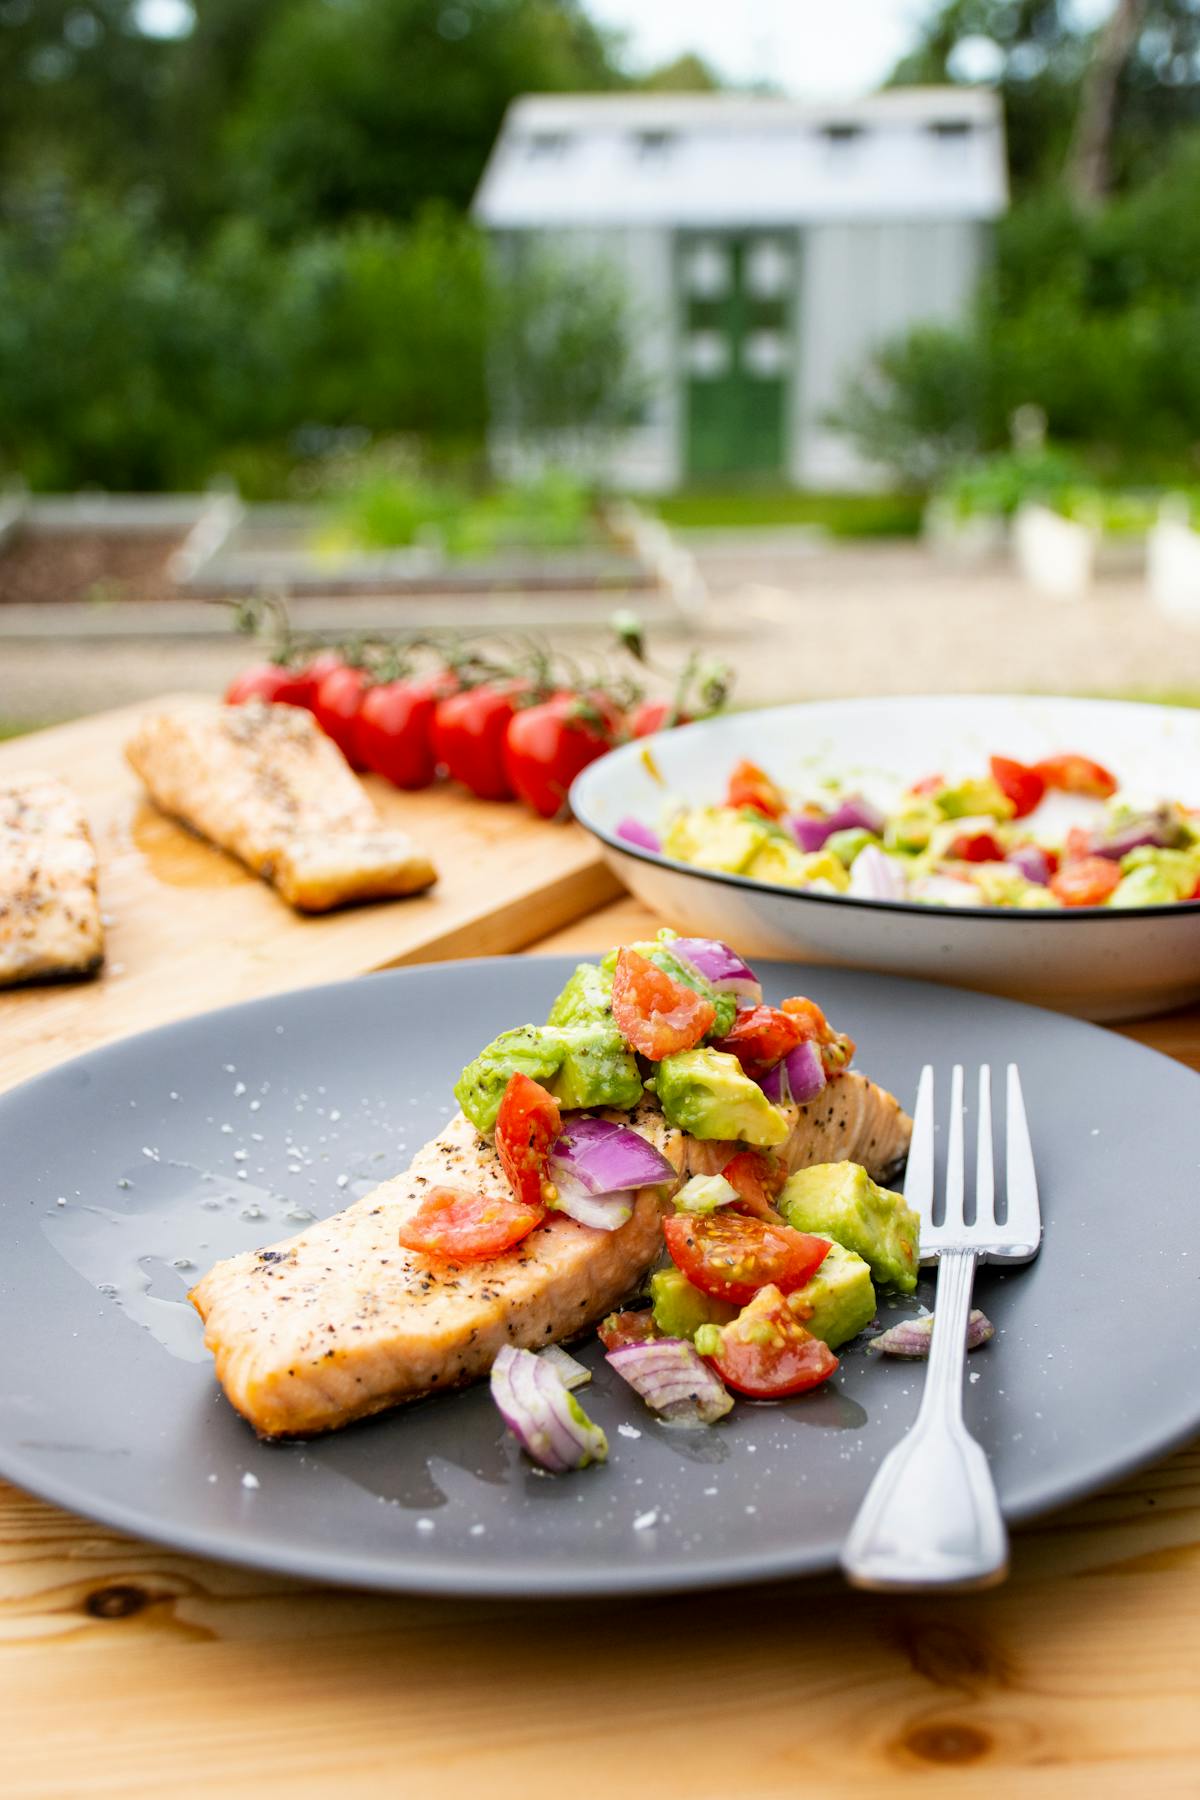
(1031,846)
(660,1069)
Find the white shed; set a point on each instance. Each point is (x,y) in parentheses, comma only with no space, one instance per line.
(768,246)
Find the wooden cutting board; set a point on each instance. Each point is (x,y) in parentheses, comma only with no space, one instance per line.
(190,929)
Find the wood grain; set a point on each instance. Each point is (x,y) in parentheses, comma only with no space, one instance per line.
(129,1672)
(191,929)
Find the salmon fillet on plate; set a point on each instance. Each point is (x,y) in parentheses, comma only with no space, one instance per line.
(342,1321)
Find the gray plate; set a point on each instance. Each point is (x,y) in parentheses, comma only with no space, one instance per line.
(215,1135)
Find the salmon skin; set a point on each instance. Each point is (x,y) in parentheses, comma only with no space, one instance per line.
(265,783)
(50,925)
(339,1322)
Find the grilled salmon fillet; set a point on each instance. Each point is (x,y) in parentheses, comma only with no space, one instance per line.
(265,783)
(49,905)
(340,1322)
(851,1120)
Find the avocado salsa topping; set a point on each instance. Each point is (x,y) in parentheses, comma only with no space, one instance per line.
(1031,836)
(765,1274)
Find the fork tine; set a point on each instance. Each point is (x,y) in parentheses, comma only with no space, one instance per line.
(1024,1212)
(954,1152)
(985,1174)
(918,1175)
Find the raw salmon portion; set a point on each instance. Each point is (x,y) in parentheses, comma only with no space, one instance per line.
(49,906)
(340,1322)
(265,783)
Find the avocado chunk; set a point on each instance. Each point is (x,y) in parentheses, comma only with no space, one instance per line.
(713,837)
(581,1065)
(968,798)
(597,1069)
(586,999)
(529,1050)
(705,1092)
(840,1201)
(680,1309)
(839,1300)
(847,845)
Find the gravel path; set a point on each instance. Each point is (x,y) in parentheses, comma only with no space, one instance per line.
(796,618)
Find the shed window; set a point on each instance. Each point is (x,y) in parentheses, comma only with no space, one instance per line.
(950,130)
(653,146)
(842,132)
(547,146)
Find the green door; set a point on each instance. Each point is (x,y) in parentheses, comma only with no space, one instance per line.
(735,299)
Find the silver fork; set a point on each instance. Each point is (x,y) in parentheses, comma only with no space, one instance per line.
(931,1518)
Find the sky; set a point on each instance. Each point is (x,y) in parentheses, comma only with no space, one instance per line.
(819,48)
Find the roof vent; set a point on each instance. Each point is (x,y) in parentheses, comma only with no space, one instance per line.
(547,146)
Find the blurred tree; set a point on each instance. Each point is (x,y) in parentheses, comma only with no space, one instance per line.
(1037,52)
(688,74)
(373,107)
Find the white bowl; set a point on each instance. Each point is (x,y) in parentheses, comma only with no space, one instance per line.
(1091,961)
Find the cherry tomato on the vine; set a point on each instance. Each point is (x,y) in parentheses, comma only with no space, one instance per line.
(546,746)
(273,682)
(469,733)
(392,733)
(649,716)
(337,704)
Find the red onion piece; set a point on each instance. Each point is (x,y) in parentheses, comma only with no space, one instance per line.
(809,832)
(799,1077)
(720,966)
(774,1085)
(875,876)
(911,1337)
(855,813)
(1155,828)
(549,1425)
(673,1380)
(604,1158)
(1032,863)
(572,1374)
(601,1212)
(634,832)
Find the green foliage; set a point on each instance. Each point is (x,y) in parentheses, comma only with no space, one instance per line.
(841,515)
(994,486)
(388,509)
(920,408)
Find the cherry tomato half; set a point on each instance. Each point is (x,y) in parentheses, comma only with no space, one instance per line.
(760,1036)
(751,786)
(766,1353)
(392,733)
(526,1125)
(627,1328)
(1088,881)
(1072,774)
(1019,782)
(758,1179)
(268,681)
(337,703)
(731,1256)
(469,733)
(654,1014)
(456,1225)
(546,746)
(976,847)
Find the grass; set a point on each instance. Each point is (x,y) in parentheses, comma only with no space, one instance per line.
(841,515)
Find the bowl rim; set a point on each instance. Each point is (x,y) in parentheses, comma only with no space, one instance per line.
(911,908)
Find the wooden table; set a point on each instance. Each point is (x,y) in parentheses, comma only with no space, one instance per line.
(128,1671)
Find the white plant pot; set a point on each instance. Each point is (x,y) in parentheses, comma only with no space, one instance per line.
(1173,569)
(1056,556)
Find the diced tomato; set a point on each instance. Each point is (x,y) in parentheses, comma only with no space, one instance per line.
(731,1256)
(977,847)
(751,786)
(655,1014)
(760,1036)
(1019,782)
(837,1050)
(1072,774)
(1087,882)
(1078,844)
(766,1353)
(758,1179)
(526,1125)
(627,1328)
(456,1225)
(928,784)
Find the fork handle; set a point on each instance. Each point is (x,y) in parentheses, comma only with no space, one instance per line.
(931,1518)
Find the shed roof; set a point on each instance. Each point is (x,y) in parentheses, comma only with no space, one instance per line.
(728,159)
